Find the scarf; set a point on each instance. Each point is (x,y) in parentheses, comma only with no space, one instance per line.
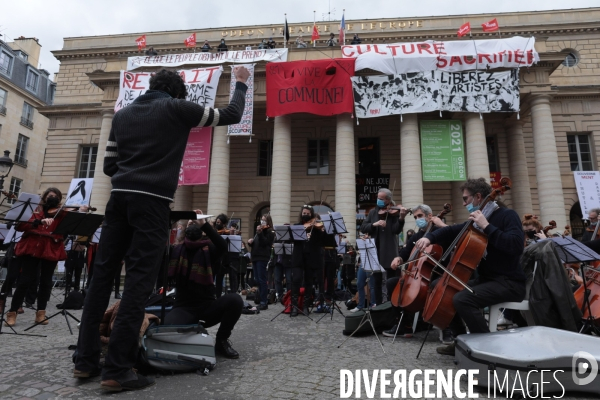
(200,271)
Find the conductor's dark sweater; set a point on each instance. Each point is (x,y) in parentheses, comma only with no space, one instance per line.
(148,139)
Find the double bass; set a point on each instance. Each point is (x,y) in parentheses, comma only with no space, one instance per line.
(418,274)
(467,251)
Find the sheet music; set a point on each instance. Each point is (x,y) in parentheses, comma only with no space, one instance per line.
(368,255)
(61,266)
(96,237)
(234,243)
(298,233)
(571,251)
(283,248)
(3,231)
(282,233)
(20,206)
(13,233)
(341,247)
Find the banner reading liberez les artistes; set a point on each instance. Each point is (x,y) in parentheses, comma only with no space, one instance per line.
(201,85)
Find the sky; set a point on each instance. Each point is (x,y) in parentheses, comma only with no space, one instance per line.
(51,21)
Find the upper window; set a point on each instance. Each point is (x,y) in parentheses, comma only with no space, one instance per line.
(318,157)
(572,58)
(580,152)
(23,55)
(368,156)
(3,96)
(87,164)
(21,152)
(33,79)
(6,62)
(492,151)
(265,157)
(27,116)
(15,188)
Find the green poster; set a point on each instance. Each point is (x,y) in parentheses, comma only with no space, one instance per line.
(442,151)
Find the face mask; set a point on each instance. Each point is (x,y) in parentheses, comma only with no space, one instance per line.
(530,234)
(306,218)
(263,223)
(421,223)
(471,208)
(52,201)
(380,203)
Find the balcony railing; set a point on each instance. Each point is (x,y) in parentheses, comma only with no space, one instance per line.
(3,110)
(31,87)
(26,122)
(22,161)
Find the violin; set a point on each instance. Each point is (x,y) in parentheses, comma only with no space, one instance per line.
(314,223)
(391,210)
(592,280)
(467,251)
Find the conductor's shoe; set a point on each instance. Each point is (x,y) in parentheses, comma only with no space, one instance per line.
(86,374)
(137,383)
(449,350)
(11,318)
(223,347)
(118,296)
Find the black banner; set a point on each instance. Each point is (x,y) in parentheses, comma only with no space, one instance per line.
(367,187)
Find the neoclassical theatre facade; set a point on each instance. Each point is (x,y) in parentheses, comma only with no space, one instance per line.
(302,159)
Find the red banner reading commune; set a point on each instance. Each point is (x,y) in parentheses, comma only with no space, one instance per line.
(320,87)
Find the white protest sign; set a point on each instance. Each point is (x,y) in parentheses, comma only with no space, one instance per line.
(80,192)
(201,85)
(588,190)
(244,128)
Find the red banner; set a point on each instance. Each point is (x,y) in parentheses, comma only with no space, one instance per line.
(320,87)
(190,41)
(464,29)
(196,159)
(141,42)
(490,26)
(495,179)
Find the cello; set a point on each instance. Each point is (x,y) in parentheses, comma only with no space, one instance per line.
(467,251)
(418,274)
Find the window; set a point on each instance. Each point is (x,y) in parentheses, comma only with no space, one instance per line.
(3,96)
(265,157)
(318,157)
(6,62)
(27,116)
(52,91)
(15,188)
(368,156)
(580,153)
(571,59)
(32,81)
(87,164)
(23,55)
(492,152)
(21,152)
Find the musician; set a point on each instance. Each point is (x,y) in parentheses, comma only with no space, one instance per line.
(224,266)
(190,268)
(385,232)
(307,260)
(38,252)
(260,254)
(143,157)
(500,277)
(424,218)
(532,228)
(589,232)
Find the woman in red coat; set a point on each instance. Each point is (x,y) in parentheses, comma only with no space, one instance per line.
(38,251)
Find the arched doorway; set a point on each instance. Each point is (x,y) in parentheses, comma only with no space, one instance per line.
(321,208)
(576,221)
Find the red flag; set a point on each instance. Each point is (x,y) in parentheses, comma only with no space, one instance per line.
(490,26)
(464,29)
(141,42)
(315,33)
(191,40)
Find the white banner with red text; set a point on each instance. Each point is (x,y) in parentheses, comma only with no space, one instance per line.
(244,128)
(457,55)
(468,91)
(237,57)
(201,85)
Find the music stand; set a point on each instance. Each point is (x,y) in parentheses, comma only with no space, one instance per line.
(23,208)
(73,223)
(330,240)
(334,223)
(571,251)
(234,245)
(368,255)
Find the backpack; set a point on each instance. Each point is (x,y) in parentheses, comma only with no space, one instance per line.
(73,301)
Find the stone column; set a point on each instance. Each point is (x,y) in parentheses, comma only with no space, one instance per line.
(345,178)
(517,161)
(281,176)
(549,183)
(102,186)
(218,189)
(183,198)
(410,162)
(477,157)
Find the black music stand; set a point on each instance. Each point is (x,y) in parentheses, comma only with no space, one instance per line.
(234,245)
(371,266)
(330,241)
(80,224)
(571,251)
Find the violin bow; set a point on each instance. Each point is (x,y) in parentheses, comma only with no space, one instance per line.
(389,205)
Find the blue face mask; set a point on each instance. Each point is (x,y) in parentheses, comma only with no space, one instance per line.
(471,208)
(380,203)
(421,223)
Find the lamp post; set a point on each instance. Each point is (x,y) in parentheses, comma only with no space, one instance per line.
(6,164)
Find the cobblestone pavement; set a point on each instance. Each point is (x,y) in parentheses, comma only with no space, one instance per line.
(284,359)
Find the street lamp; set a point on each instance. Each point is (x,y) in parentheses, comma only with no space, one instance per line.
(6,164)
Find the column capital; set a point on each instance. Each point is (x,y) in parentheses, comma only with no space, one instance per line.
(107,113)
(539,98)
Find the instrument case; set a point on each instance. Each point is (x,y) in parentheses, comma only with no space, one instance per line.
(526,352)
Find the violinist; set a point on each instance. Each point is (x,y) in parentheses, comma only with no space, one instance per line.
(589,231)
(261,254)
(500,277)
(424,218)
(224,266)
(307,259)
(385,231)
(38,252)
(532,228)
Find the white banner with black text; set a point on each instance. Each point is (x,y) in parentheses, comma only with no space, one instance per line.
(244,128)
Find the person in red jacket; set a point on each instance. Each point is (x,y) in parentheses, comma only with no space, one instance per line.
(38,252)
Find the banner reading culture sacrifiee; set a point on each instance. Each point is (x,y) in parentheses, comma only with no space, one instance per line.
(244,128)
(201,84)
(442,151)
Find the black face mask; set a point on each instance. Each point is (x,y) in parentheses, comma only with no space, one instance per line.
(306,218)
(52,202)
(193,232)
(530,234)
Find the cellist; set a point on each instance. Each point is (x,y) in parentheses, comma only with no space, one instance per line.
(500,277)
(424,218)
